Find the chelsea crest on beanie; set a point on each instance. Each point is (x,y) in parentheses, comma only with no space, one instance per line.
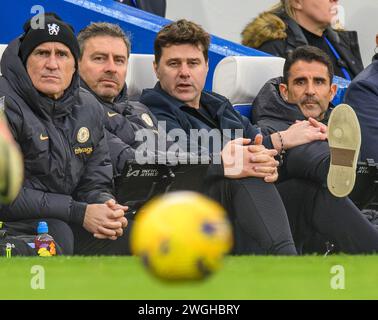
(55,30)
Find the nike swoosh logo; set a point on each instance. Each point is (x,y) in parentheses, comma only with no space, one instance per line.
(112,114)
(43,138)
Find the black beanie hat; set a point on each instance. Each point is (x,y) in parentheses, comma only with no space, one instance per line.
(55,30)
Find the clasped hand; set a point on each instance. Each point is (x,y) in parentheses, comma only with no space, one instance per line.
(241,160)
(106,220)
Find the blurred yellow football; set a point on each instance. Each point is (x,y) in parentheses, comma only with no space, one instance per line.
(181,236)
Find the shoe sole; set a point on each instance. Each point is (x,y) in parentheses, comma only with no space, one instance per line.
(344,139)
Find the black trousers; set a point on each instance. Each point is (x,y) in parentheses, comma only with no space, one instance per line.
(267,220)
(75,239)
(257,214)
(313,209)
(311,162)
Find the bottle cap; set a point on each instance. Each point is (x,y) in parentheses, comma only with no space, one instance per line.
(42,227)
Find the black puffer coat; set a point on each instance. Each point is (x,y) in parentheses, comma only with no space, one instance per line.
(123,119)
(66,156)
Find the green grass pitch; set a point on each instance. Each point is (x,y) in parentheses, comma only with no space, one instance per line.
(241,278)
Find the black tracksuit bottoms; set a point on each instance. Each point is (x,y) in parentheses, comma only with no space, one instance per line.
(257,214)
(312,209)
(314,213)
(262,225)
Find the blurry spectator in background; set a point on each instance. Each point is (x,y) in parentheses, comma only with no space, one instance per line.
(362,96)
(375,57)
(294,23)
(157,7)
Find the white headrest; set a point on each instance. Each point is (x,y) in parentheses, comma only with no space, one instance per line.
(2,48)
(240,78)
(140,74)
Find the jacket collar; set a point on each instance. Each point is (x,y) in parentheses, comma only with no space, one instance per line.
(343,47)
(297,37)
(120,104)
(215,104)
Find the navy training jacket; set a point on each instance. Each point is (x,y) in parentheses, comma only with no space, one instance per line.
(171,110)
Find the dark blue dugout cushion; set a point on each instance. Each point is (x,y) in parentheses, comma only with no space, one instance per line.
(244,110)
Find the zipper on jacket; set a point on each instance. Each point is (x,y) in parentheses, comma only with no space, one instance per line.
(66,148)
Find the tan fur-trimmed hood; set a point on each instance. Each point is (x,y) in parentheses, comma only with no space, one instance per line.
(267,26)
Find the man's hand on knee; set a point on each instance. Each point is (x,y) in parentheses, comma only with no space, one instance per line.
(241,160)
(104,222)
(301,132)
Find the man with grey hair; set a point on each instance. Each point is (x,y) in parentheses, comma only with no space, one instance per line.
(104,54)
(68,174)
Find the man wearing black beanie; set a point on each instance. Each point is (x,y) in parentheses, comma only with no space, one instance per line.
(55,30)
(59,127)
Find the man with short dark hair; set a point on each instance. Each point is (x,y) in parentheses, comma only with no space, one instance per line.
(312,103)
(306,90)
(104,54)
(307,94)
(68,174)
(254,220)
(362,96)
(255,208)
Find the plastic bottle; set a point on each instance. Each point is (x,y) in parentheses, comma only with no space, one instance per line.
(342,86)
(44,243)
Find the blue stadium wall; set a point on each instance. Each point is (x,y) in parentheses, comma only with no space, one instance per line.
(141,26)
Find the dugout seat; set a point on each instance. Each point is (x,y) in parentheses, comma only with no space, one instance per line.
(2,48)
(140,75)
(240,78)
